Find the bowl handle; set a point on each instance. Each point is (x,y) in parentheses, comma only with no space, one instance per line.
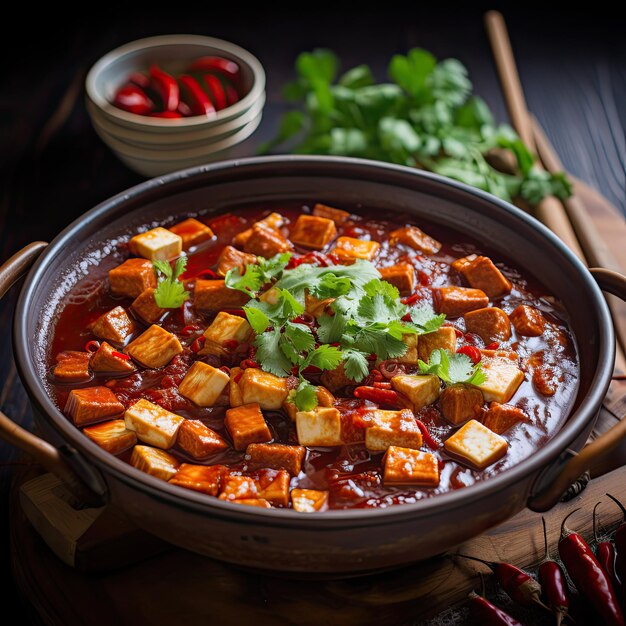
(570,466)
(57,461)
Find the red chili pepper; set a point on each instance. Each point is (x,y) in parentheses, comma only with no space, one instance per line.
(605,552)
(92,346)
(237,377)
(167,114)
(184,109)
(189,329)
(222,66)
(588,576)
(121,355)
(225,369)
(133,99)
(379,385)
(553,582)
(305,318)
(140,80)
(494,345)
(406,317)
(619,540)
(216,91)
(380,396)
(472,352)
(410,299)
(376,376)
(246,363)
(230,344)
(487,614)
(207,273)
(426,436)
(166,86)
(232,97)
(197,344)
(458,333)
(372,357)
(195,96)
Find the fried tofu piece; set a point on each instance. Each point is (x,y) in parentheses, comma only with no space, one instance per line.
(203,384)
(111,436)
(527,321)
(476,445)
(349,248)
(324,398)
(239,488)
(319,427)
(315,306)
(274,487)
(401,276)
(211,296)
(155,462)
(144,306)
(410,357)
(500,417)
(231,258)
(460,403)
(104,359)
(91,405)
(415,238)
(192,232)
(261,387)
(156,244)
(225,328)
(443,338)
(275,456)
(132,278)
(114,326)
(154,348)
(234,392)
(457,301)
(503,378)
(204,478)
(198,440)
(153,424)
(331,213)
(264,504)
(392,428)
(266,242)
(311,231)
(491,324)
(481,273)
(247,425)
(309,500)
(72,366)
(405,466)
(336,379)
(421,390)
(273,220)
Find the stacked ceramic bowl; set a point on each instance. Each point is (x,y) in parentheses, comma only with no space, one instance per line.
(155,145)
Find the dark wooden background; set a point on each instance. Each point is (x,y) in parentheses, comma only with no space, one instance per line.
(53,167)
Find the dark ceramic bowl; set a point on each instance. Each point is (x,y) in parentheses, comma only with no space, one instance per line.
(341,542)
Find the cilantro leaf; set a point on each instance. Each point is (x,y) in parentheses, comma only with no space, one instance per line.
(425,318)
(300,336)
(257,319)
(170,293)
(325,357)
(306,396)
(256,276)
(453,368)
(269,353)
(355,364)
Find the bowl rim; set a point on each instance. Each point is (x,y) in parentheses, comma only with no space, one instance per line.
(190,500)
(148,123)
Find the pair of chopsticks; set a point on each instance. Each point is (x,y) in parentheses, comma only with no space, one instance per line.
(569,219)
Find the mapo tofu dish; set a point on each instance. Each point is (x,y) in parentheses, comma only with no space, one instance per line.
(303,356)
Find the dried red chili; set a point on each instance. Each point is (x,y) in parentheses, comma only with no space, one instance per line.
(195,97)
(120,355)
(166,86)
(207,273)
(426,436)
(553,582)
(197,344)
(133,99)
(487,614)
(410,299)
(92,346)
(380,396)
(494,345)
(472,352)
(605,552)
(246,363)
(216,91)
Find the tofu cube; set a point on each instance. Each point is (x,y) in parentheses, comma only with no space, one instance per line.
(349,248)
(401,276)
(114,326)
(527,321)
(231,258)
(157,244)
(392,428)
(239,488)
(72,366)
(415,238)
(316,307)
(337,215)
(131,278)
(261,387)
(111,436)
(225,328)
(275,456)
(444,338)
(481,273)
(234,392)
(503,379)
(104,359)
(153,424)
(266,242)
(154,348)
(203,384)
(192,232)
(211,296)
(457,301)
(204,478)
(247,425)
(309,500)
(324,398)
(460,403)
(491,324)
(421,390)
(405,466)
(144,307)
(92,404)
(336,379)
(410,356)
(198,440)
(311,231)
(319,427)
(500,417)
(476,445)
(274,487)
(155,462)
(264,504)
(273,220)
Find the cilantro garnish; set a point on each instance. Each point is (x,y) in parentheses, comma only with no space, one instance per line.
(256,276)
(425,318)
(453,368)
(170,292)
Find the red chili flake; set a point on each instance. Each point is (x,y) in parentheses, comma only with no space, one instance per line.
(458,333)
(239,312)
(237,377)
(410,299)
(121,355)
(190,329)
(251,352)
(207,273)
(494,345)
(92,346)
(426,436)
(246,363)
(197,344)
(372,357)
(406,318)
(424,278)
(225,369)
(230,344)
(471,339)
(472,352)
(376,376)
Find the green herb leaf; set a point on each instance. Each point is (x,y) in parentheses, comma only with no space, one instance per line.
(257,319)
(257,276)
(170,293)
(325,357)
(425,318)
(270,355)
(453,368)
(300,336)
(355,364)
(306,396)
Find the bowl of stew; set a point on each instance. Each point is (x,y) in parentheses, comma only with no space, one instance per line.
(312,364)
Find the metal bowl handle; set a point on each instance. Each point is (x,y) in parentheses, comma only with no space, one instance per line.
(569,467)
(49,457)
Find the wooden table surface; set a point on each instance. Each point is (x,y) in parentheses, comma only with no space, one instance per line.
(53,167)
